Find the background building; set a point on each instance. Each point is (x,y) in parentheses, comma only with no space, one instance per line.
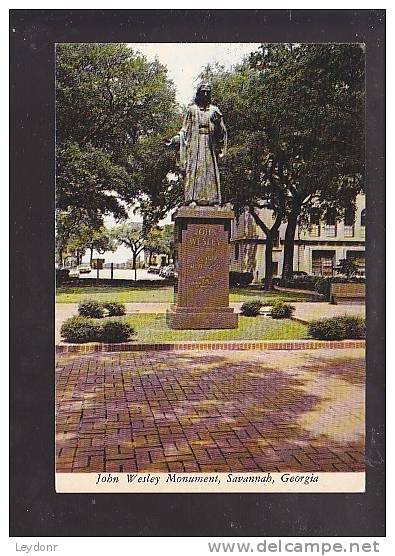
(319,245)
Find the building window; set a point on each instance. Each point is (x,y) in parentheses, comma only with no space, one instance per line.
(314,217)
(330,219)
(236,251)
(323,263)
(349,219)
(363,217)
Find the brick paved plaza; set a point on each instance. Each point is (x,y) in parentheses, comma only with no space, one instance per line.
(211,411)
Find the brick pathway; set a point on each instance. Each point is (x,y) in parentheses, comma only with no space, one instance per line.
(211,411)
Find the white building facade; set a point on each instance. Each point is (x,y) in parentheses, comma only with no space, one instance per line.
(319,246)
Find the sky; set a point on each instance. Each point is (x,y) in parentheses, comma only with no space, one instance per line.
(184,62)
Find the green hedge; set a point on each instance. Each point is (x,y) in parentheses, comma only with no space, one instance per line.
(320,284)
(323,285)
(115,331)
(114,308)
(98,309)
(240,278)
(281,310)
(91,308)
(79,330)
(298,282)
(338,328)
(61,275)
(251,308)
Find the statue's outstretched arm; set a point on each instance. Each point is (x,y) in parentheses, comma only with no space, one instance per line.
(174,141)
(178,139)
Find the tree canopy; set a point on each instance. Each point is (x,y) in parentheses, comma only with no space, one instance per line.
(114,110)
(295,119)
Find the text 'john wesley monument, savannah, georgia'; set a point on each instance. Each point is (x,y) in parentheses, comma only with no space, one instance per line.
(202,225)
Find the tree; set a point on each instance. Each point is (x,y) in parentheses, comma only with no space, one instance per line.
(248,178)
(168,240)
(73,229)
(112,106)
(160,184)
(76,239)
(295,120)
(159,240)
(348,267)
(133,236)
(99,240)
(314,126)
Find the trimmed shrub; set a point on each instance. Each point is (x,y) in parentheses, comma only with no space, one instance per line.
(62,275)
(114,308)
(323,286)
(320,284)
(303,282)
(240,278)
(338,328)
(251,308)
(246,278)
(281,310)
(355,327)
(78,330)
(91,308)
(115,331)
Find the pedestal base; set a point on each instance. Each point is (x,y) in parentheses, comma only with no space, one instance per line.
(183,319)
(202,248)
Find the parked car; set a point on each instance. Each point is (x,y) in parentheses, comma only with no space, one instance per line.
(84,269)
(169,272)
(74,272)
(153,270)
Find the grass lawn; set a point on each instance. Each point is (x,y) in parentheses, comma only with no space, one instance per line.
(153,328)
(122,294)
(157,294)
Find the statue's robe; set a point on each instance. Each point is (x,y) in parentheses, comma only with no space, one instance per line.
(202,137)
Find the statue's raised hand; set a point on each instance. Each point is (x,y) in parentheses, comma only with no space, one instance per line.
(173,142)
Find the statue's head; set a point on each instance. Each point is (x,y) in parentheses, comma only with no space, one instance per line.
(203,94)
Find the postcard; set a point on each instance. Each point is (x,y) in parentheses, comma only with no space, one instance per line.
(210,267)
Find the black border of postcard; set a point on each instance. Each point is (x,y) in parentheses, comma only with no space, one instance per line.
(36,509)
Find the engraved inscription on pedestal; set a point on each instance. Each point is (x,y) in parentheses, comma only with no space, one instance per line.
(202,299)
(203,267)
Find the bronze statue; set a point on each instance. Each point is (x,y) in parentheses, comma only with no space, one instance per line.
(202,140)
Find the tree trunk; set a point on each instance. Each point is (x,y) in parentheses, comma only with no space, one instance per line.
(289,243)
(134,266)
(91,258)
(270,234)
(268,284)
(60,257)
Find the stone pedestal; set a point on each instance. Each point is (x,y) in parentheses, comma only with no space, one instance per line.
(202,252)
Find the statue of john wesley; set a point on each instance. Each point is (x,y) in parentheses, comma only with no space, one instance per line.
(202,141)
